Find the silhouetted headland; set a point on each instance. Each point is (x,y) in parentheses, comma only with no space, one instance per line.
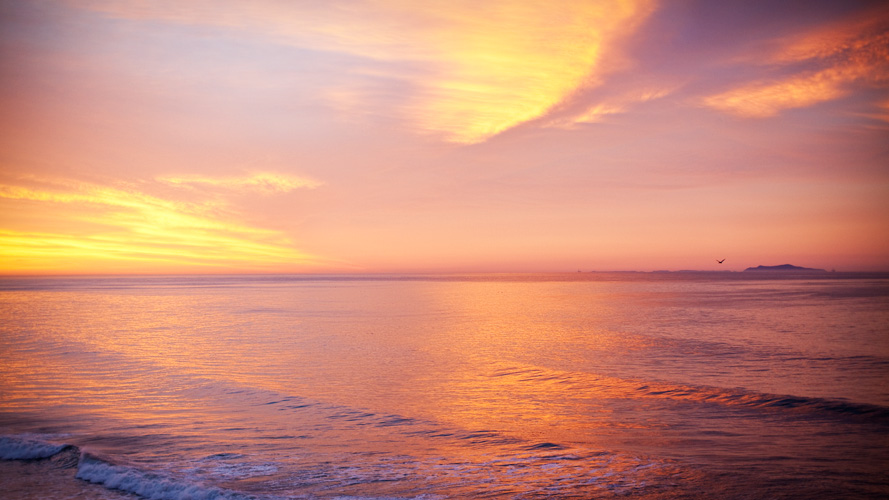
(785,267)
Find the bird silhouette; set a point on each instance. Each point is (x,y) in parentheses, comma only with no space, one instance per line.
(720,261)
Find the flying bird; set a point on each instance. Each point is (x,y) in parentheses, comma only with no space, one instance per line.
(720,261)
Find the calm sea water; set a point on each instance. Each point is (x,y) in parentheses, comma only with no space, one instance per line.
(588,385)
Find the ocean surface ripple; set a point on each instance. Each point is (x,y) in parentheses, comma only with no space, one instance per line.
(647,386)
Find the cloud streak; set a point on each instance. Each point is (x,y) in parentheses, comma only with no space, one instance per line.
(266,183)
(848,53)
(93,223)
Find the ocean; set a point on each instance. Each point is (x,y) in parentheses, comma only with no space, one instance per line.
(733,385)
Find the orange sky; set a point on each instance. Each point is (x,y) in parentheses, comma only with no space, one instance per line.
(399,136)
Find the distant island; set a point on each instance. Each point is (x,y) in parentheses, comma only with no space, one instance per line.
(784,267)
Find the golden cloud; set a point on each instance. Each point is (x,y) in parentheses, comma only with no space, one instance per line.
(764,100)
(507,63)
(485,66)
(87,227)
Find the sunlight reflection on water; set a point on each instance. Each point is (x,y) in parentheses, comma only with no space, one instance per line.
(523,387)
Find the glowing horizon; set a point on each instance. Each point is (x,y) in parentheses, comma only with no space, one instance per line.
(391,136)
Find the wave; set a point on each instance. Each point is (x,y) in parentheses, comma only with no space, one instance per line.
(125,478)
(751,399)
(627,388)
(26,447)
(147,484)
(96,470)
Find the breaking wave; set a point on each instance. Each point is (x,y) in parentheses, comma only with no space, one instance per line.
(27,448)
(116,477)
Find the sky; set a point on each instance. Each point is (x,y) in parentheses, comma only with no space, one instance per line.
(273,136)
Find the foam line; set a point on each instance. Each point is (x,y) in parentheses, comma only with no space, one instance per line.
(118,477)
(145,484)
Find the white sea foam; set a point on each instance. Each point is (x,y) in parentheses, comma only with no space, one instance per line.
(148,485)
(24,447)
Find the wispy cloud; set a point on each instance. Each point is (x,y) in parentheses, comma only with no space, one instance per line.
(612,105)
(261,182)
(485,67)
(820,66)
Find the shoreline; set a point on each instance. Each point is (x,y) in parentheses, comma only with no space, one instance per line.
(52,478)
